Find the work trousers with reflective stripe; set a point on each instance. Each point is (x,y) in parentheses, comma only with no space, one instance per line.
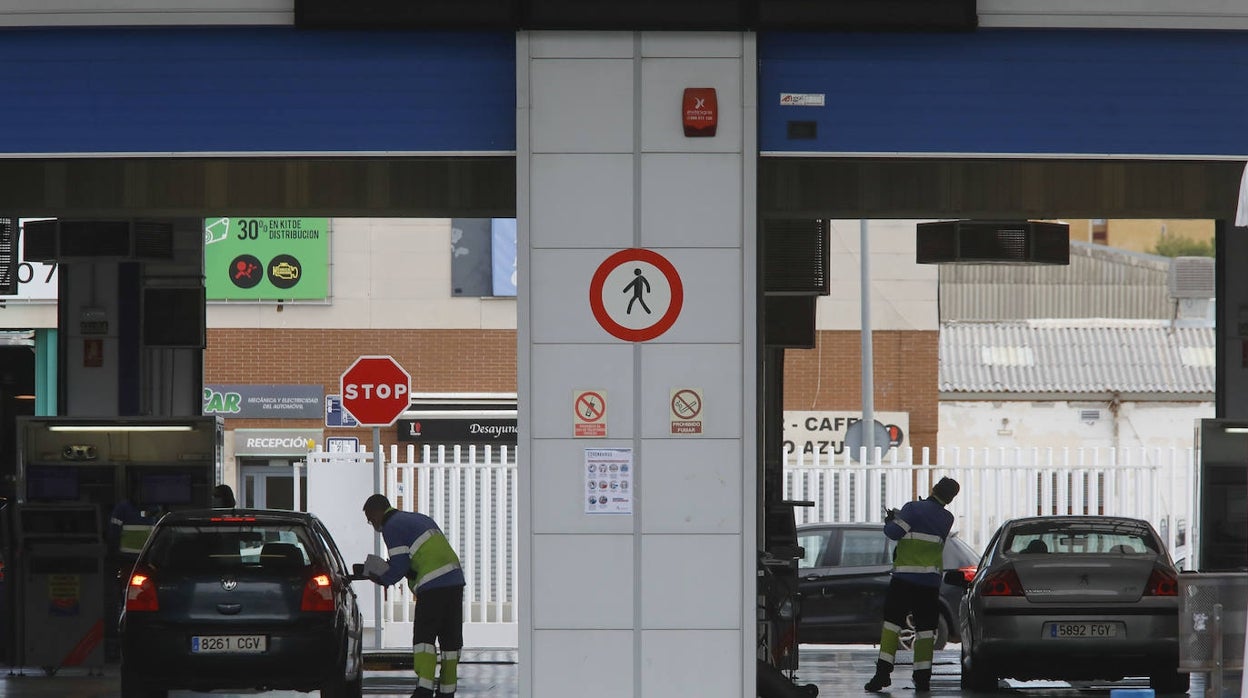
(906,598)
(438,618)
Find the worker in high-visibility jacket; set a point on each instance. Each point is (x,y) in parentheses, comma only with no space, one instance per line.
(920,529)
(128,528)
(420,553)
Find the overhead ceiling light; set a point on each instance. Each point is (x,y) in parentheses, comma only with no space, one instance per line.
(24,396)
(1235,430)
(120,427)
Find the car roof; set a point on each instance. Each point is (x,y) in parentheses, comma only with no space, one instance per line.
(1075,519)
(815,525)
(271,516)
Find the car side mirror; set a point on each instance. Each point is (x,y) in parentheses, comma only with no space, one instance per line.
(957,579)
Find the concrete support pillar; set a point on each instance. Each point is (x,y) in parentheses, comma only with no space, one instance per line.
(657,602)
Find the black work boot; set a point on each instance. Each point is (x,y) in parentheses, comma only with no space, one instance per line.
(882,678)
(923,681)
(423,693)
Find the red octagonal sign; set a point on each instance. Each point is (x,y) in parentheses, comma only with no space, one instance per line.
(376,390)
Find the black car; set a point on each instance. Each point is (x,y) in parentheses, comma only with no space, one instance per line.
(240,599)
(843,578)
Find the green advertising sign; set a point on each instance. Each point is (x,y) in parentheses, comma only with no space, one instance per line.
(266,258)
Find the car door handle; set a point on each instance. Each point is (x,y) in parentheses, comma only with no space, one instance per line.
(229,609)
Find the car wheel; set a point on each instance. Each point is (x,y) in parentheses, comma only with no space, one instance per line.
(1170,681)
(974,679)
(905,638)
(133,686)
(942,632)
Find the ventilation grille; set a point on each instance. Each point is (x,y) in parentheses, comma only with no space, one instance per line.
(1192,277)
(795,257)
(8,256)
(67,240)
(992,242)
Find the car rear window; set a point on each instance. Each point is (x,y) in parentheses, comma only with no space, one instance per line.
(226,547)
(1080,538)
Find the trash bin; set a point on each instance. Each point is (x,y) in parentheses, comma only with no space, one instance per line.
(1212,623)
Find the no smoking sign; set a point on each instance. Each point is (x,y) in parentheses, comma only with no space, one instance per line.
(686,411)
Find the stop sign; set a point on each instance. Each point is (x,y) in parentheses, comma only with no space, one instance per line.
(375,390)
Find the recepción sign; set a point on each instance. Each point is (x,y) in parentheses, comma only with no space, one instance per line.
(275,442)
(266,258)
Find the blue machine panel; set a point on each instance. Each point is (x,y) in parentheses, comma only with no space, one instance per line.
(255,90)
(1008,91)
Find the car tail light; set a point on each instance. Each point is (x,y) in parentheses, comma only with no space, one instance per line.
(318,593)
(1161,583)
(232,519)
(141,592)
(1001,583)
(968,572)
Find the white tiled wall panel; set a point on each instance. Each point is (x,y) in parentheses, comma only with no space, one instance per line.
(691,486)
(595,663)
(691,582)
(580,587)
(558,473)
(690,663)
(582,200)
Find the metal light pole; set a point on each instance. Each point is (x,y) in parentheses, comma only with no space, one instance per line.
(868,364)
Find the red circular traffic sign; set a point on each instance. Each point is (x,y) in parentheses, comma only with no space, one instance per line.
(376,390)
(621,285)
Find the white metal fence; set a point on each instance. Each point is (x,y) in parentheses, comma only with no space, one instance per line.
(472,492)
(1155,485)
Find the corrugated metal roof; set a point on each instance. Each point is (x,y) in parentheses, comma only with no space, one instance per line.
(1076,356)
(1099,282)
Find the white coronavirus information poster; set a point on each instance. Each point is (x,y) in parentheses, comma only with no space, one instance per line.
(608,481)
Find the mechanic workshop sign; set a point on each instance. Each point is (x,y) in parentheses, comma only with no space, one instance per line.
(822,434)
(263,401)
(266,258)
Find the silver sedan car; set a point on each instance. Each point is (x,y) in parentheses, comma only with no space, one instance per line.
(1072,598)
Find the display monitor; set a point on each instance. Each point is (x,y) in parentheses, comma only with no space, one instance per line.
(51,484)
(165,488)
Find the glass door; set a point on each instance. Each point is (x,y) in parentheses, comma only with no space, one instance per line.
(269,483)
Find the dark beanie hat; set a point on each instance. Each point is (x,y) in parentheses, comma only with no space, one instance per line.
(945,490)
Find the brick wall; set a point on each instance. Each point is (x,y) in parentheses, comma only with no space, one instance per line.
(484,361)
(829,377)
(479,361)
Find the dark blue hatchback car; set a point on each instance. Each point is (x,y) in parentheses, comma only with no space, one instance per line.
(240,599)
(843,578)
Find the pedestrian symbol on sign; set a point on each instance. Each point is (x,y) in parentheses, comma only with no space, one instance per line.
(636,286)
(641,280)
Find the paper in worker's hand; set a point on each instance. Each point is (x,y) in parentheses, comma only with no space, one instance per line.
(375,566)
